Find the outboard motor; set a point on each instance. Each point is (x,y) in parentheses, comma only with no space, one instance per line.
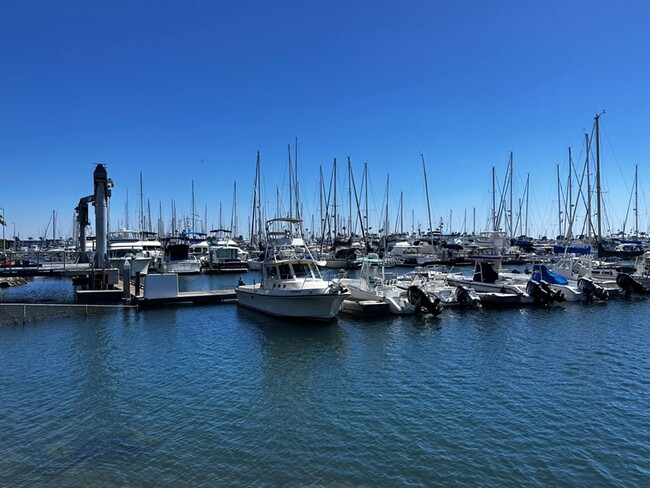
(419,298)
(592,290)
(629,284)
(467,297)
(542,293)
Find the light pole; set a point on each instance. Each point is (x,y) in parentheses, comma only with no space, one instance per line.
(14,224)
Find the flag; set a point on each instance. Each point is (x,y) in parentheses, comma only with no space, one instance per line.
(2,220)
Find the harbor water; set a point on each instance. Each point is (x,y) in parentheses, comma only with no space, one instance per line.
(223,396)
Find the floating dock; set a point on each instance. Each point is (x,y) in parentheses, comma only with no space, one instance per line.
(365,308)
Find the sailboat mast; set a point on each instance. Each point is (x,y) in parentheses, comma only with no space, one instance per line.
(570,207)
(298,213)
(494,200)
(589,222)
(510,185)
(193,209)
(560,230)
(349,197)
(126,210)
(527,193)
(142,225)
(386,229)
(290,183)
(233,219)
(401,212)
(636,200)
(598,187)
(335,212)
(365,180)
(426,191)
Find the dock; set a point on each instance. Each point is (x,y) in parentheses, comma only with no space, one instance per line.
(194,297)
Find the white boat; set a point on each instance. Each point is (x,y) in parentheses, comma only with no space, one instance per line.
(177,258)
(374,284)
(140,249)
(433,280)
(291,284)
(497,289)
(224,255)
(558,284)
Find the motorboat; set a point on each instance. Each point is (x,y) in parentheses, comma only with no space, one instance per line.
(177,258)
(374,283)
(291,284)
(140,249)
(224,255)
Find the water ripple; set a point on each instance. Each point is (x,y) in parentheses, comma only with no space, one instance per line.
(223,396)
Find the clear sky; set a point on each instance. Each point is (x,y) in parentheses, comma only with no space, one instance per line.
(157,86)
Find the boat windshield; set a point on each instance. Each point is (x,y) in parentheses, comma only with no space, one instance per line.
(302,270)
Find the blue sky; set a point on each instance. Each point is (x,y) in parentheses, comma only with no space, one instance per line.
(157,86)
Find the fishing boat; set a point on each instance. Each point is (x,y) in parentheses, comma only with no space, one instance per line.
(291,285)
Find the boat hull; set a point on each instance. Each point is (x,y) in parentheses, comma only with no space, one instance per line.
(309,304)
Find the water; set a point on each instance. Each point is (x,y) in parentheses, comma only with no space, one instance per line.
(219,395)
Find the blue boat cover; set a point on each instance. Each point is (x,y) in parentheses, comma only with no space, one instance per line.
(542,273)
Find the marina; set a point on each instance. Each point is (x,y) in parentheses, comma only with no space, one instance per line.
(345,244)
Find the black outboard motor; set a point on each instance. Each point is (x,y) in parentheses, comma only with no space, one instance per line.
(592,290)
(542,293)
(467,297)
(419,298)
(629,284)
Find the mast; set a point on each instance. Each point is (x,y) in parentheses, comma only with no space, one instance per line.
(148,215)
(570,190)
(335,214)
(141,207)
(426,190)
(290,183)
(193,209)
(598,187)
(298,213)
(589,225)
(510,185)
(321,196)
(356,199)
(527,193)
(636,200)
(126,210)
(349,197)
(386,229)
(233,219)
(494,200)
(365,180)
(560,230)
(401,212)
